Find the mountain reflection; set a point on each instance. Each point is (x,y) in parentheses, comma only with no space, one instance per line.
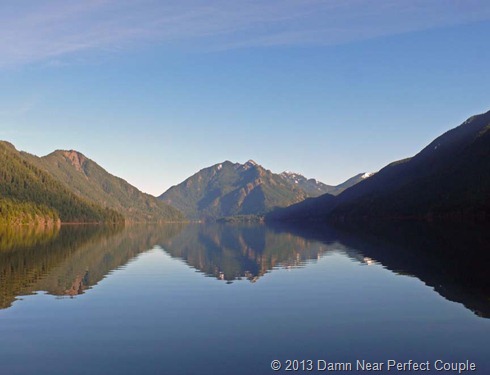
(452,259)
(67,261)
(233,252)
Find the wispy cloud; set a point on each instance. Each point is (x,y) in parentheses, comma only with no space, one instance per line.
(17,109)
(37,30)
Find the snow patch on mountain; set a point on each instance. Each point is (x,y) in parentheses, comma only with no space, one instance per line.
(367,175)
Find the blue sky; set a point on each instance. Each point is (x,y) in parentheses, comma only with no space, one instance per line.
(156,90)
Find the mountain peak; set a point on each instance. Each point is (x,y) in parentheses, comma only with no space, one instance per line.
(90,181)
(311,186)
(8,144)
(292,174)
(76,158)
(232,189)
(249,164)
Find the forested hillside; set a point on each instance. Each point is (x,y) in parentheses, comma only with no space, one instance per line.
(231,189)
(29,194)
(88,180)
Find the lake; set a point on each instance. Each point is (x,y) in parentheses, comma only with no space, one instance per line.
(230,299)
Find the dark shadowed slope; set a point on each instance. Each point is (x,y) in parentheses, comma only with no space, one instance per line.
(449,179)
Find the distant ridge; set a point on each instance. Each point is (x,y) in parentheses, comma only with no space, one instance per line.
(311,186)
(314,188)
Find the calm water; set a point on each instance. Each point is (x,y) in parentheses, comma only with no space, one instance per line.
(229,299)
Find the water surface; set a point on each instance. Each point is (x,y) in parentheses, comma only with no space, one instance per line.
(229,299)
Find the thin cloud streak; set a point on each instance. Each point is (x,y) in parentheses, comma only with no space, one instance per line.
(39,31)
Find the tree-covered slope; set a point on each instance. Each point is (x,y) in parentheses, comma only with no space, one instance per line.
(13,212)
(87,179)
(29,192)
(450,178)
(230,189)
(314,209)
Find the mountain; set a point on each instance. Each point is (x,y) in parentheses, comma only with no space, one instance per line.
(314,209)
(311,186)
(315,188)
(230,189)
(29,195)
(88,180)
(351,182)
(448,179)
